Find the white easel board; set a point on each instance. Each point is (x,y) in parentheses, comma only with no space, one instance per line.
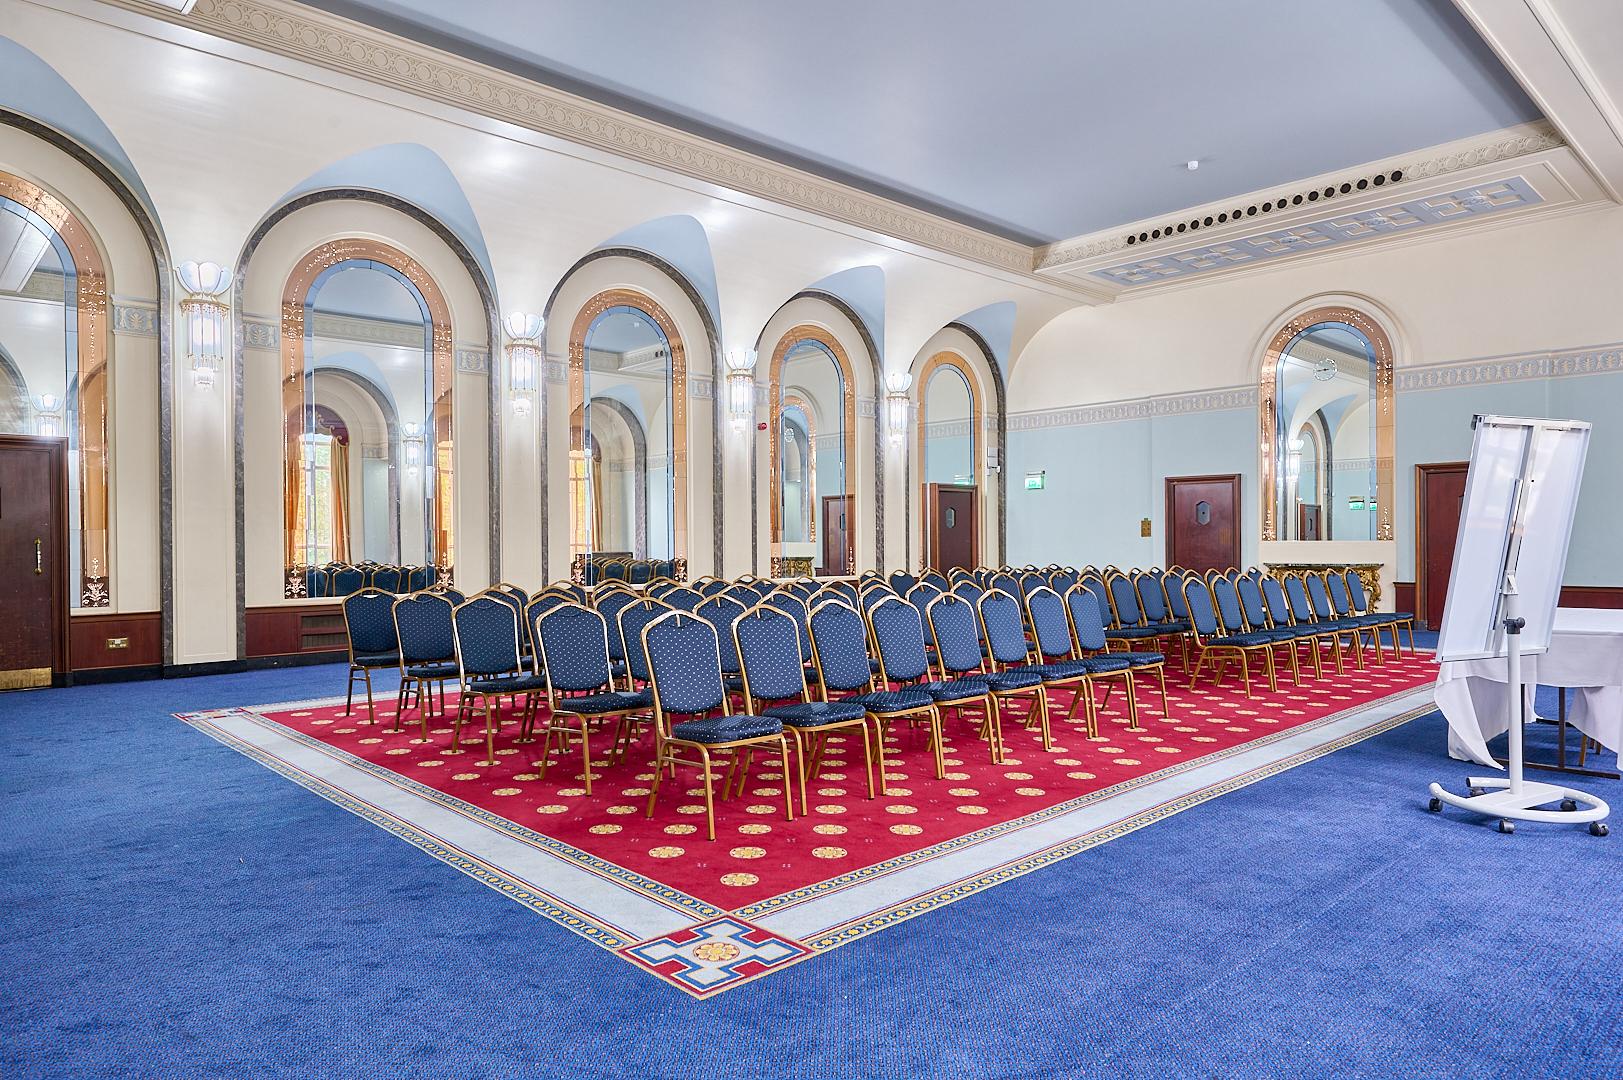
(1521,493)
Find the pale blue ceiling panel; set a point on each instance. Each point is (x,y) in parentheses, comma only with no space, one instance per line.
(1038,120)
(680,240)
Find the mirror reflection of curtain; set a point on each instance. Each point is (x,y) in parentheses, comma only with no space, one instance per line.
(338,468)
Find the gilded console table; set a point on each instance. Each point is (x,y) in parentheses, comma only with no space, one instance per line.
(1368,573)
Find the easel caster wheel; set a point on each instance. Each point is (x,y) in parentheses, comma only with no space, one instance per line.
(1569,805)
(1435,806)
(1473,792)
(1506,825)
(1598,828)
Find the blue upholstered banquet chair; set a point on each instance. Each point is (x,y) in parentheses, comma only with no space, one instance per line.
(1088,629)
(491,665)
(427,653)
(369,632)
(573,641)
(898,636)
(1058,659)
(957,634)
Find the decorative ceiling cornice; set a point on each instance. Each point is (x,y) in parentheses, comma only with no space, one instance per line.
(338,44)
(1429,163)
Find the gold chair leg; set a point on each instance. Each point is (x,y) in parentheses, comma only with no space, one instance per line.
(935,738)
(1132,701)
(1268,667)
(659,773)
(1245,672)
(788,792)
(490,734)
(1166,707)
(585,756)
(709,794)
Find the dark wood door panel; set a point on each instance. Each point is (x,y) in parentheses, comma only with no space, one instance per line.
(33,561)
(837,525)
(1203,521)
(954,527)
(1439,497)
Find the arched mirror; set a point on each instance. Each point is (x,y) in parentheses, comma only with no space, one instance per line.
(949,455)
(53,356)
(813,408)
(1327,416)
(625,474)
(368,428)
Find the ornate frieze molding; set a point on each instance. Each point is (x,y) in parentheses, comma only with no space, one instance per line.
(260,333)
(339,44)
(473,361)
(137,318)
(1519,367)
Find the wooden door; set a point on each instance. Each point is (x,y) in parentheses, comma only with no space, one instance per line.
(953,538)
(1439,497)
(1203,522)
(33,561)
(1307,521)
(836,534)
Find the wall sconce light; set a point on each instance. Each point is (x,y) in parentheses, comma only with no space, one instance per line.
(897,384)
(413,443)
(206,316)
(524,353)
(741,386)
(48,419)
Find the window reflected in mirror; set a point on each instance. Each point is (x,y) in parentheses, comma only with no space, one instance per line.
(368,433)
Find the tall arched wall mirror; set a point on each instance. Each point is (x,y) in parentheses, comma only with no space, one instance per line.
(367,433)
(949,451)
(627,431)
(53,362)
(812,404)
(1326,438)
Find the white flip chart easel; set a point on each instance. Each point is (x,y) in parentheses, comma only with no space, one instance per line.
(1521,493)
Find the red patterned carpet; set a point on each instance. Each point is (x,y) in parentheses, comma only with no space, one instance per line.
(758,855)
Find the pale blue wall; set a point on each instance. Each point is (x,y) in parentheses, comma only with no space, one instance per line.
(1103,478)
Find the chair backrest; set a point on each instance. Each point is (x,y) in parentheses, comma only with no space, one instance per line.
(767,641)
(840,647)
(1095,584)
(898,634)
(1355,590)
(658,589)
(684,663)
(803,589)
(369,622)
(542,604)
(870,597)
(1228,605)
(1001,626)
(486,629)
(1252,603)
(712,587)
(955,630)
(1087,621)
(633,617)
(935,578)
(1124,600)
(901,581)
(572,641)
(921,596)
(386,578)
(521,595)
(791,605)
(575,592)
(967,589)
(1279,608)
(1198,598)
(639,572)
(611,604)
(347,580)
(1173,586)
(317,582)
(1045,611)
(1338,593)
(1007,582)
(719,612)
(422,622)
(1062,579)
(1301,606)
(418,578)
(1320,596)
(612,571)
(844,590)
(1152,598)
(682,598)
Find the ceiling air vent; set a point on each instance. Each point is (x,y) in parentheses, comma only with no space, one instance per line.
(1329,192)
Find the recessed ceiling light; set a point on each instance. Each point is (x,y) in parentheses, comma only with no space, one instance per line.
(1192,164)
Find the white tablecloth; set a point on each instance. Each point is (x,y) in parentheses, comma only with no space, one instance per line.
(1586,654)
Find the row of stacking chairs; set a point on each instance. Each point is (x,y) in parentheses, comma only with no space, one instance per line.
(631,571)
(342,579)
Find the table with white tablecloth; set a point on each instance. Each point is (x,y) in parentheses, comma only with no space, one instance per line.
(1585,654)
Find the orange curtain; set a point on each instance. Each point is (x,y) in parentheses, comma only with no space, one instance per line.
(293,500)
(340,501)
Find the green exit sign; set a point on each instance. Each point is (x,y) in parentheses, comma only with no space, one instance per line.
(1036,481)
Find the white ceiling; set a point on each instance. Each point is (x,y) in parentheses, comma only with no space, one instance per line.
(1039,120)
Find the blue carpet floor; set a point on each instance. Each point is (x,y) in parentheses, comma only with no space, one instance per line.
(173,909)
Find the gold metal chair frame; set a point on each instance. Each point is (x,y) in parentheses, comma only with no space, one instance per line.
(992,709)
(423,691)
(669,747)
(464,705)
(558,707)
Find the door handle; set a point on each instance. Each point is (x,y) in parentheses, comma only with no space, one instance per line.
(39,557)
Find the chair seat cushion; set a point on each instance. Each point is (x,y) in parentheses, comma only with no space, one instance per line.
(507,684)
(1014,679)
(1172,626)
(889,701)
(726,729)
(810,714)
(433,669)
(1143,659)
(1133,633)
(1058,670)
(1253,640)
(1105,663)
(961,689)
(611,701)
(377,659)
